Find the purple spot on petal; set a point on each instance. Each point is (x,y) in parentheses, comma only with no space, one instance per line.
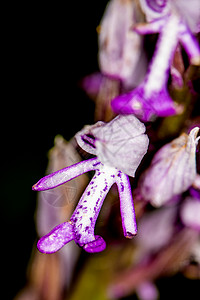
(96,164)
(88,140)
(78,236)
(105,189)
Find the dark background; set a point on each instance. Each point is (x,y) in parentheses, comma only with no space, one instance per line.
(47,49)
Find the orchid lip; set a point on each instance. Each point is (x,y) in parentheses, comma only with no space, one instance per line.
(80,228)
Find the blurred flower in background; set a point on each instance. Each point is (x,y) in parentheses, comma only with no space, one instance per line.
(151,97)
(122,60)
(149,60)
(172,170)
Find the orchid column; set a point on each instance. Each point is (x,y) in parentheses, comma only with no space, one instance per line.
(119,147)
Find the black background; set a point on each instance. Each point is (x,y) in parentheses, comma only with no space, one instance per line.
(47,49)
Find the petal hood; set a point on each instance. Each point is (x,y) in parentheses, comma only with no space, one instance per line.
(121,143)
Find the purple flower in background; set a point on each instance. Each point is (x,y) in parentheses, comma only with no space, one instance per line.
(172,170)
(151,97)
(147,291)
(121,56)
(104,141)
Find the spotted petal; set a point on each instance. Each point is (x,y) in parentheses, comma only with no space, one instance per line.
(56,239)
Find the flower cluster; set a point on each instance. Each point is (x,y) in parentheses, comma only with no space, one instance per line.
(163,153)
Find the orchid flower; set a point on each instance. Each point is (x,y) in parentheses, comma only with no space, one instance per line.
(105,141)
(172,170)
(151,97)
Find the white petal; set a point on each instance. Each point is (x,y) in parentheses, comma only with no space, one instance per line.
(122,143)
(172,170)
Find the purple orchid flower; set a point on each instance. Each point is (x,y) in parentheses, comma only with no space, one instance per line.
(122,59)
(102,140)
(151,97)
